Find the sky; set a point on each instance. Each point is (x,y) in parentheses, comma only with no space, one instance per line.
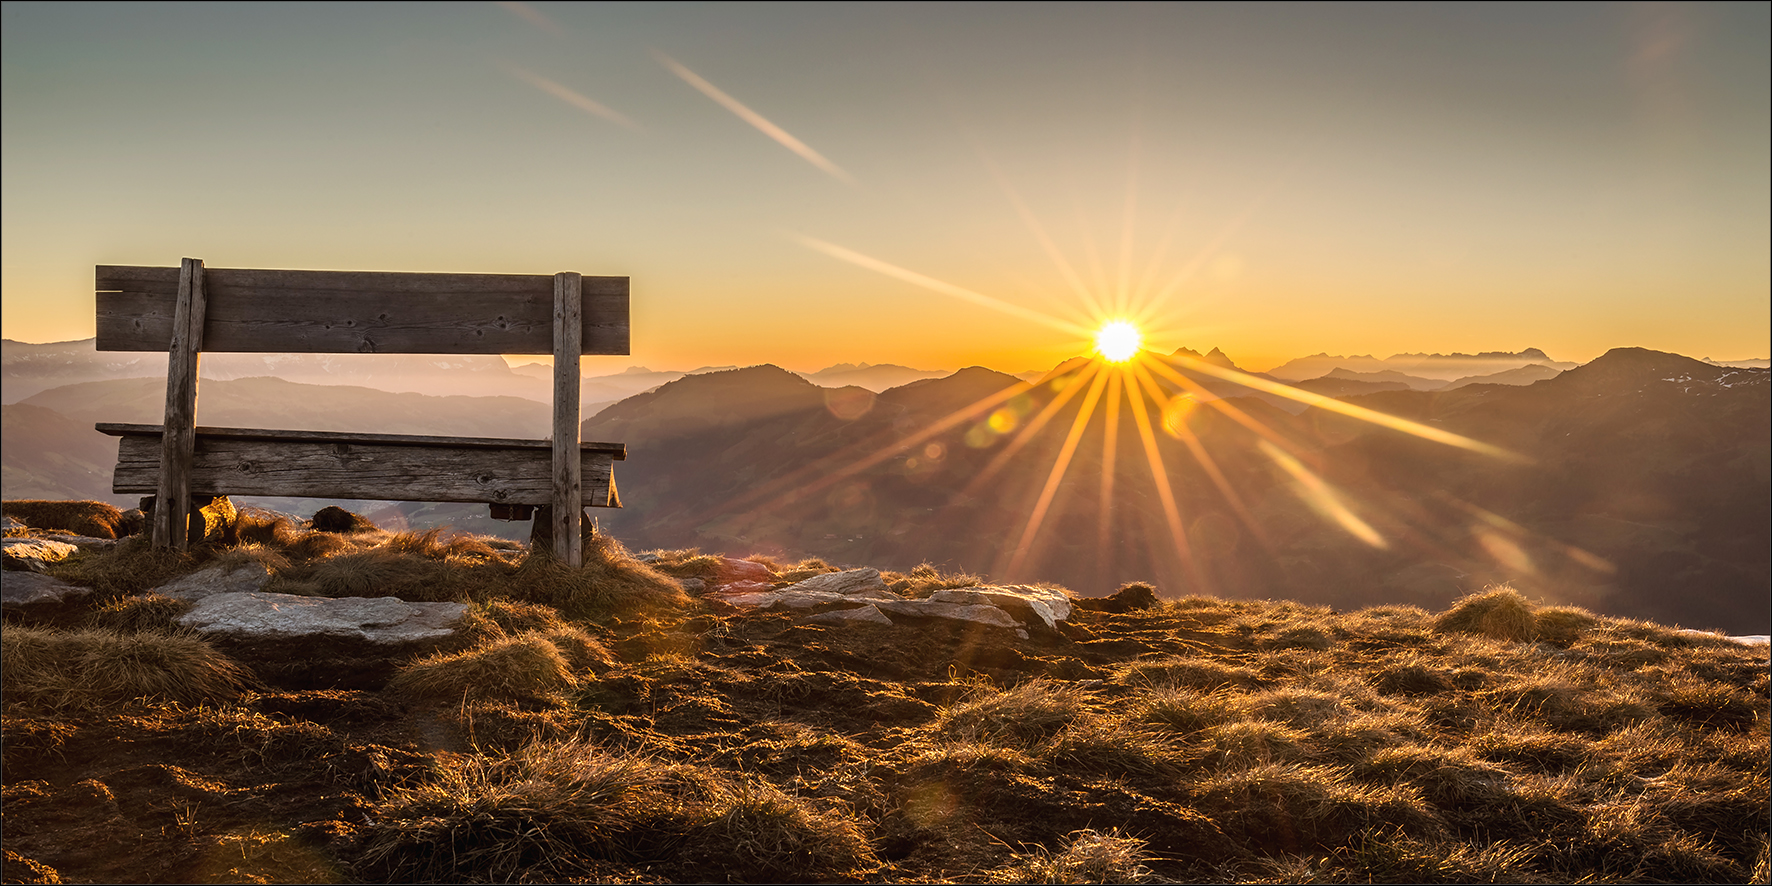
(931,185)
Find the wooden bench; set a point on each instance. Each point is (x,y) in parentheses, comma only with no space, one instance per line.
(189,309)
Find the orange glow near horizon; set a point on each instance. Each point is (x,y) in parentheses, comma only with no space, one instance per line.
(1123,376)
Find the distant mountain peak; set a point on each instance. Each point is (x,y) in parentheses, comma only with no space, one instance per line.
(1219,358)
(1637,366)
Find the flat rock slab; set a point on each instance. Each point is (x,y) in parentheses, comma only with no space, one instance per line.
(1025,602)
(35,554)
(848,583)
(81,541)
(743,570)
(32,592)
(979,613)
(238,578)
(869,614)
(377,620)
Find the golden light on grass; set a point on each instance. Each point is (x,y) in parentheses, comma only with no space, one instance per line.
(1117,341)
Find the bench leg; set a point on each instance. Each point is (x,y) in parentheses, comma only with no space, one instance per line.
(541,532)
(211,518)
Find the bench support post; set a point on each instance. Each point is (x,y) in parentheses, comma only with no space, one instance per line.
(178,444)
(568,479)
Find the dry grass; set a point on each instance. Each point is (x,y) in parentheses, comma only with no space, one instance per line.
(685,563)
(1191,673)
(84,670)
(144,612)
(924,579)
(1089,857)
(1186,710)
(1022,716)
(602,726)
(538,816)
(93,519)
(523,668)
(610,581)
(418,566)
(555,811)
(131,567)
(1498,613)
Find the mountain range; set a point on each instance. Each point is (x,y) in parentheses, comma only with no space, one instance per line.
(1637,473)
(31,368)
(1641,486)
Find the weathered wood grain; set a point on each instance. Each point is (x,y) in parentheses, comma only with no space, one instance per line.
(173,491)
(567,474)
(617,451)
(283,311)
(227,465)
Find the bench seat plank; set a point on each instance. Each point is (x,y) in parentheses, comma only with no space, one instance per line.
(351,312)
(392,467)
(617,451)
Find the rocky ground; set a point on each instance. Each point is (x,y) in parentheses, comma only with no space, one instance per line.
(286,704)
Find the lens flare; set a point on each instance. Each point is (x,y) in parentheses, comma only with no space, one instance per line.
(1117,341)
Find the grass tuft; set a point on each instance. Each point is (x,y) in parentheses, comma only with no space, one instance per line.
(1024,715)
(541,815)
(145,612)
(1499,613)
(1188,673)
(924,579)
(1090,857)
(523,668)
(564,810)
(686,563)
(46,669)
(1186,710)
(1710,705)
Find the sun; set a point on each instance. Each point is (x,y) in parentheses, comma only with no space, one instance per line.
(1117,341)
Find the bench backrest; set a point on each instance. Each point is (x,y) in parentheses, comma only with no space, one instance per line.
(346,312)
(190,309)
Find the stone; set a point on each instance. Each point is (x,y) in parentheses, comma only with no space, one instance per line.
(375,620)
(30,593)
(218,579)
(338,520)
(14,524)
(82,541)
(978,613)
(1030,605)
(743,587)
(732,570)
(798,597)
(865,582)
(692,585)
(35,554)
(869,614)
(355,643)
